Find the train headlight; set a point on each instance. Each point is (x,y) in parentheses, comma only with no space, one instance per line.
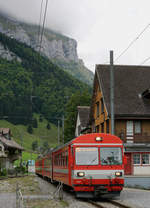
(118,174)
(80,174)
(99,139)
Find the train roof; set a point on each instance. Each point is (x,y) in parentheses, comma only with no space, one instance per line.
(91,138)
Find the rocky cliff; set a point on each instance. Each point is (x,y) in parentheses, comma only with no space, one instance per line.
(58,48)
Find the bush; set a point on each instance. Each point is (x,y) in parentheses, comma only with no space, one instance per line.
(41,118)
(3,172)
(20,169)
(34,123)
(34,145)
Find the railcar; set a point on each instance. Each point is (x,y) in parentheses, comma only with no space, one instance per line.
(91,164)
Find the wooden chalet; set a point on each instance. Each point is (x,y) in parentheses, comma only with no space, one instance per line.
(132,112)
(9,149)
(82,120)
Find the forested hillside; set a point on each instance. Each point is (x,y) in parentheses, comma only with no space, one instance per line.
(58,48)
(33,84)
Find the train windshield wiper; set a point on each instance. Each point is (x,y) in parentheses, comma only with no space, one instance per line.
(92,162)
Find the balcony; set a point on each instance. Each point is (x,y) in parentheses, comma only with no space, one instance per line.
(138,138)
(142,138)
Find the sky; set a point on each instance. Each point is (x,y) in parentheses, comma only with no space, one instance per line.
(98,26)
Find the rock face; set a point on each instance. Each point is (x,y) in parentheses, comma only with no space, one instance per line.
(57,47)
(53,45)
(6,54)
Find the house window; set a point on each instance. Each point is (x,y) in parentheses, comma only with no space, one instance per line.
(145,158)
(102,106)
(129,128)
(137,127)
(97,109)
(136,159)
(133,127)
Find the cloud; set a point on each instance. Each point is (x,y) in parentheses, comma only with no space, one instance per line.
(98,26)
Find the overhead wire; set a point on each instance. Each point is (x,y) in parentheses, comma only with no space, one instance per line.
(42,32)
(143,62)
(39,28)
(133,41)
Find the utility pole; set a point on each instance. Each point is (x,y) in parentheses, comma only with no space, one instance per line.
(112,92)
(63,129)
(58,136)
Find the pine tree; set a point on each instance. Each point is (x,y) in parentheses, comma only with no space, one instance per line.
(48,126)
(30,129)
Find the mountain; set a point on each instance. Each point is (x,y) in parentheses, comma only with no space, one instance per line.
(31,83)
(58,48)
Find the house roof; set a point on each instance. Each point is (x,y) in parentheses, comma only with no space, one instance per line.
(4,130)
(10,143)
(83,112)
(130,82)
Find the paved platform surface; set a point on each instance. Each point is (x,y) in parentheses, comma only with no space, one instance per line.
(135,198)
(137,182)
(7,200)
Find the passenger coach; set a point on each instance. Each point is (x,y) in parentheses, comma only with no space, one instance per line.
(91,164)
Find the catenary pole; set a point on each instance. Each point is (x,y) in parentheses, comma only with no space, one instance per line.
(112,92)
(63,119)
(58,132)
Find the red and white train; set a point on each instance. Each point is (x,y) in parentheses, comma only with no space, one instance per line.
(91,164)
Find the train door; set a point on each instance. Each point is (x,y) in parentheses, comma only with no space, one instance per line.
(128,165)
(71,163)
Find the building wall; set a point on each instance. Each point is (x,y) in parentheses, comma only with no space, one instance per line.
(141,170)
(77,125)
(100,119)
(120,129)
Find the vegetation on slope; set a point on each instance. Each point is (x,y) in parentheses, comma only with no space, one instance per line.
(34,85)
(41,134)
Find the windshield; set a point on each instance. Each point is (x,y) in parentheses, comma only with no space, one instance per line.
(86,156)
(110,156)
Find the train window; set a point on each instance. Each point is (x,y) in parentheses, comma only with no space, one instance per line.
(87,156)
(110,156)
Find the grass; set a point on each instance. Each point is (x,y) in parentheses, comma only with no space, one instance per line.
(25,157)
(40,134)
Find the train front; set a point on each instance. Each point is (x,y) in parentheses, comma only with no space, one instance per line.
(98,168)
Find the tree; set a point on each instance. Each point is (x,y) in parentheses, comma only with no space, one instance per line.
(34,123)
(41,118)
(34,145)
(45,145)
(30,129)
(77,99)
(48,126)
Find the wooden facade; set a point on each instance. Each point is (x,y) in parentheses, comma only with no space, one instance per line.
(100,116)
(132,128)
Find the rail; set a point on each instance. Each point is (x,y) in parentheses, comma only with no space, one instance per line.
(19,197)
(109,203)
(59,191)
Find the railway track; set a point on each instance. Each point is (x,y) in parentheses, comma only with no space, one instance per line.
(108,204)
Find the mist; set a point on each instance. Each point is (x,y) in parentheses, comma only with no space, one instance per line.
(98,26)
